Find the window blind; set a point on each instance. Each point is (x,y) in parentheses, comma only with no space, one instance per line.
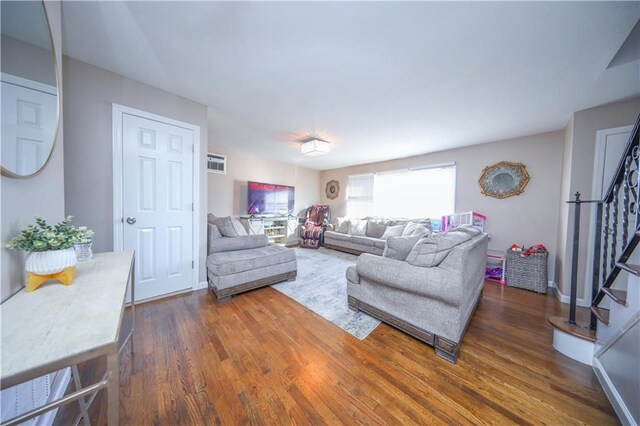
(360,195)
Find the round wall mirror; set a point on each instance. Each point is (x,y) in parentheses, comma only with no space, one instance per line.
(30,98)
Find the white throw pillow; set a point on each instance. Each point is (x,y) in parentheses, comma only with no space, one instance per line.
(393,231)
(239,228)
(358,227)
(342,225)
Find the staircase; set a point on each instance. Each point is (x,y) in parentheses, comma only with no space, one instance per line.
(610,342)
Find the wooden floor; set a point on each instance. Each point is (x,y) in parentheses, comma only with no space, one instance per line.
(264,359)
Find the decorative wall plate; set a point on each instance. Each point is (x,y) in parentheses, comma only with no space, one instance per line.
(504,179)
(332,189)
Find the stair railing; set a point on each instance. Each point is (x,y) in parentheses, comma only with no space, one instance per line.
(621,201)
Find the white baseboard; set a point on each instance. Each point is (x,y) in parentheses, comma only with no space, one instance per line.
(565,299)
(614,397)
(201,285)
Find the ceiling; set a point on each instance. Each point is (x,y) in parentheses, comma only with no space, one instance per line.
(378,80)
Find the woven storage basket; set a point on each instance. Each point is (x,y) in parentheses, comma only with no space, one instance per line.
(528,272)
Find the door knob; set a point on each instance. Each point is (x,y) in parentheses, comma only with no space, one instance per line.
(131,220)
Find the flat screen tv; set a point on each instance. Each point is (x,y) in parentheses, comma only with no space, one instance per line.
(267,198)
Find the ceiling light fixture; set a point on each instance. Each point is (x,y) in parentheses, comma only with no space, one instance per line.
(315,147)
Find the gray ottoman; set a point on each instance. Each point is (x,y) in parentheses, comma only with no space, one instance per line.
(233,272)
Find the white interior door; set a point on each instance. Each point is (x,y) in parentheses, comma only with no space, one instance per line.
(29,117)
(157,201)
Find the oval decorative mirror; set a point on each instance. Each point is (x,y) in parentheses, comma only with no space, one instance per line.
(504,179)
(30,98)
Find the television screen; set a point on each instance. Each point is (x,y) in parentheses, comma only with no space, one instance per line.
(266,198)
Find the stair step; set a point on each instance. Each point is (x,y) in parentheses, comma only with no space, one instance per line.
(577,330)
(618,296)
(634,269)
(601,314)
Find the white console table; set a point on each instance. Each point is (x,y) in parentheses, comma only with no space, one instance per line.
(58,326)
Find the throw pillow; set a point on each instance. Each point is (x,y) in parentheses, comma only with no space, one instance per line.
(415,228)
(375,229)
(399,247)
(225,226)
(342,225)
(393,231)
(432,249)
(239,228)
(358,227)
(211,218)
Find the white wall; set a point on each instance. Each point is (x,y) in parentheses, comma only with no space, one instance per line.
(529,218)
(42,195)
(88,97)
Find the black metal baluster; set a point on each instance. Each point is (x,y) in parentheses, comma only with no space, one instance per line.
(625,201)
(605,242)
(614,226)
(595,284)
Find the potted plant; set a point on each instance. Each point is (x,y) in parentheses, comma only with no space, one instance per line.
(50,248)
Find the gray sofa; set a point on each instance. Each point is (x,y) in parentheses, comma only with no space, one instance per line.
(237,262)
(369,235)
(431,294)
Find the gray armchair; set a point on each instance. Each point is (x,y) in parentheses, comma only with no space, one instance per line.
(431,294)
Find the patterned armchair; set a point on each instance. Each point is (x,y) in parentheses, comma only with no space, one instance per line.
(312,233)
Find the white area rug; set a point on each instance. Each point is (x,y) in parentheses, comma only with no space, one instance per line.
(321,286)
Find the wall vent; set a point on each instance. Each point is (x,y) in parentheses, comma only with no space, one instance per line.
(217,163)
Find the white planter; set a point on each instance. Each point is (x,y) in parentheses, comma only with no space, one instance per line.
(50,262)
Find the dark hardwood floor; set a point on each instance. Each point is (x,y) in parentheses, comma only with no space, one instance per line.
(264,359)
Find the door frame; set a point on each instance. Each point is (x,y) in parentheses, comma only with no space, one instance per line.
(118,112)
(598,175)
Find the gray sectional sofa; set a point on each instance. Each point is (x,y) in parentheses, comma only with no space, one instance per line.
(428,288)
(237,262)
(369,235)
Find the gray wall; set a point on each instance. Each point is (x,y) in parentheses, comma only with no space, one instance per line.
(42,195)
(28,61)
(529,218)
(88,97)
(580,142)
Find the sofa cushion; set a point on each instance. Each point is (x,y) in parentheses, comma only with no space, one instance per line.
(225,226)
(393,231)
(375,228)
(342,225)
(399,247)
(415,228)
(433,248)
(358,227)
(243,242)
(211,218)
(380,243)
(365,241)
(233,262)
(328,235)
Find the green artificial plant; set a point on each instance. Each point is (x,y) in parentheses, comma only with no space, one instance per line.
(44,237)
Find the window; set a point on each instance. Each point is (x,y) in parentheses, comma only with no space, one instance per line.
(420,192)
(360,195)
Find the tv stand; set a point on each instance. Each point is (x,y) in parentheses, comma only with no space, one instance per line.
(281,229)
